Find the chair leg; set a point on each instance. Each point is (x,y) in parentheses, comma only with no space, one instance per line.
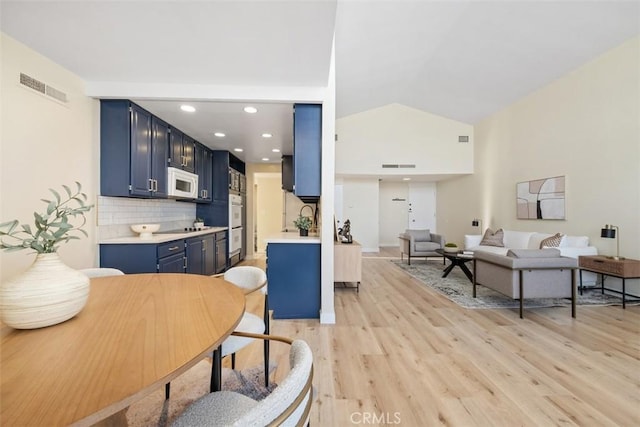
(266,342)
(216,371)
(167,390)
(233,361)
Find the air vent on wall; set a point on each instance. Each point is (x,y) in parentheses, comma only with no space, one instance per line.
(43,88)
(390,166)
(463,138)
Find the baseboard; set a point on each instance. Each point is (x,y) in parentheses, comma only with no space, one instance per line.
(328,318)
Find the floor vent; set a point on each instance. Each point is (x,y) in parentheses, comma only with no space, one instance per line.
(43,88)
(390,166)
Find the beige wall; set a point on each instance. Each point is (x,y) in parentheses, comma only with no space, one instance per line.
(585,126)
(268,216)
(253,169)
(44,144)
(397,134)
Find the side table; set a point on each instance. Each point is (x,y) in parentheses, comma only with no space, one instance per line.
(347,263)
(620,268)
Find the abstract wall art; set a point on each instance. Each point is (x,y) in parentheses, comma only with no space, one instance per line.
(541,198)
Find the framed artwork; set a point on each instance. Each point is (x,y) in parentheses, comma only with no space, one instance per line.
(541,198)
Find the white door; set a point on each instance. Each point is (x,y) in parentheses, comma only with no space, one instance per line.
(393,202)
(422,206)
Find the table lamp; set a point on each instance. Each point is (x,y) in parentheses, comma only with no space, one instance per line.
(609,232)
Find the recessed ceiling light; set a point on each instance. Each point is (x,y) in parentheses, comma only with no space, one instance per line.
(220,134)
(266,135)
(265,159)
(188,108)
(238,150)
(275,150)
(406,179)
(250,110)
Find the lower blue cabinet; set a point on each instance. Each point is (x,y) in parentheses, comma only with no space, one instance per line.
(293,274)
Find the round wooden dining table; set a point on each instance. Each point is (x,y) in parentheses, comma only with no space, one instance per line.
(136,333)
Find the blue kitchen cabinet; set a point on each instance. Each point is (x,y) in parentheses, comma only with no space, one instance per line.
(181,150)
(204,168)
(221,252)
(139,258)
(171,264)
(201,254)
(133,151)
(159,152)
(193,250)
(307,151)
(293,274)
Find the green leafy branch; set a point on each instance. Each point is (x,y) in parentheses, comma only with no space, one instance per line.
(51,228)
(302,222)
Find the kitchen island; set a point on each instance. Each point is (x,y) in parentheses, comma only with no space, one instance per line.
(293,275)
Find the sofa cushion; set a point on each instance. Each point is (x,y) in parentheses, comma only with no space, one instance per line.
(533,253)
(552,241)
(491,238)
(575,242)
(517,239)
(426,246)
(420,235)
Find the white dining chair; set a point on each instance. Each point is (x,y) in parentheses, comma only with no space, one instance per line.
(250,279)
(288,404)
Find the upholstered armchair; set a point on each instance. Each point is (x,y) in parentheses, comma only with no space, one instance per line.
(420,243)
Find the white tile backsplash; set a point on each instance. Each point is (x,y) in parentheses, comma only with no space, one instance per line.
(116,214)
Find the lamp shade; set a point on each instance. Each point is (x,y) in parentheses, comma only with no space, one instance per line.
(608,232)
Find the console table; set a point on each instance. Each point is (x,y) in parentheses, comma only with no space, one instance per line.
(620,268)
(347,263)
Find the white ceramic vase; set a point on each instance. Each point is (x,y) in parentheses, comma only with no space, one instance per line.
(48,293)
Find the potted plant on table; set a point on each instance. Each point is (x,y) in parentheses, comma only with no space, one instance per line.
(49,292)
(451,248)
(303,223)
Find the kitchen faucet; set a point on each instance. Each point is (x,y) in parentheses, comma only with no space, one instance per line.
(313,214)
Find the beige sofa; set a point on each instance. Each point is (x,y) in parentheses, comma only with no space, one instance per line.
(570,246)
(527,273)
(420,243)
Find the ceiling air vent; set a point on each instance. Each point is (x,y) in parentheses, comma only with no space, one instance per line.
(43,88)
(390,166)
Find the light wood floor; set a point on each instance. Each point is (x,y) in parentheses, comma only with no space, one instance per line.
(402,354)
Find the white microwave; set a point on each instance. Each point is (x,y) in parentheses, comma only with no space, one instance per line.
(182,184)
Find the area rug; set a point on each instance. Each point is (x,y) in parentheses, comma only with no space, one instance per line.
(155,411)
(459,289)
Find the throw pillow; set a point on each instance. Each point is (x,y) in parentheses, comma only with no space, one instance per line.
(552,241)
(493,239)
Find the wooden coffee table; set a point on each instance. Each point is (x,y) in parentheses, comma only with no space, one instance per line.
(457,259)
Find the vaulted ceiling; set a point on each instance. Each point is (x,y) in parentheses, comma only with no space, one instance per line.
(464,60)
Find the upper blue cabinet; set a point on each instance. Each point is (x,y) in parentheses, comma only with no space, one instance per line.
(181,151)
(133,151)
(307,151)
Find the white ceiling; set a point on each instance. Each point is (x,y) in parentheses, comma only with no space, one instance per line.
(463,60)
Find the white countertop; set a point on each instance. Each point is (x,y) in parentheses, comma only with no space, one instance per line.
(159,238)
(291,237)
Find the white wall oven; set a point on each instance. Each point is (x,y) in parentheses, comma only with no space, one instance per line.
(235,225)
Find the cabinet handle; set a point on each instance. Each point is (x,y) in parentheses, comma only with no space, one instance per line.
(155,185)
(150,189)
(185,262)
(173,248)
